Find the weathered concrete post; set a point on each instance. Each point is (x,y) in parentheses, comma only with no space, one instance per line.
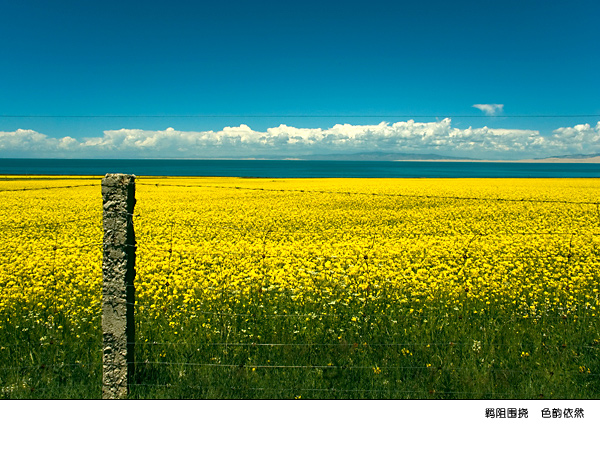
(118,292)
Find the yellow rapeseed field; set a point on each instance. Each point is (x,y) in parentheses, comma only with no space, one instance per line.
(412,264)
(387,242)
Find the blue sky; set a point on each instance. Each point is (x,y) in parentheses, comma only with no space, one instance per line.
(240,60)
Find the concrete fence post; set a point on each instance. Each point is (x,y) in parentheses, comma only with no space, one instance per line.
(118,292)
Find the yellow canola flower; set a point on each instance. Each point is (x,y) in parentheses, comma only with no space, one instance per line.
(298,244)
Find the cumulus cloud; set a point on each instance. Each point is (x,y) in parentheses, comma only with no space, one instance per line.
(29,143)
(286,141)
(490,109)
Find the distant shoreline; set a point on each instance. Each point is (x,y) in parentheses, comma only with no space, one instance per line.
(594,160)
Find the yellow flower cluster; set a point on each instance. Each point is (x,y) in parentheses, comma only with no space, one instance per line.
(525,247)
(50,257)
(317,247)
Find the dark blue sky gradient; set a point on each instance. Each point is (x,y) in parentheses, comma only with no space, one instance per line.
(284,58)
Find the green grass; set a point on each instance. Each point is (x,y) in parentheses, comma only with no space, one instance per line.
(439,353)
(434,354)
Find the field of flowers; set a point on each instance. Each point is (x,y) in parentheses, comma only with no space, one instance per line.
(310,288)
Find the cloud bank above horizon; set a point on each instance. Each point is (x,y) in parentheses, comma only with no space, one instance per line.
(290,142)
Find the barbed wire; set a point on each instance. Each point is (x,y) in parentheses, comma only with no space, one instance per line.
(53,342)
(377,194)
(330,390)
(431,368)
(49,188)
(51,248)
(392,246)
(73,247)
(385,234)
(46,225)
(353,345)
(275,116)
(361,255)
(6,391)
(184,247)
(346,344)
(419,316)
(54,225)
(52,365)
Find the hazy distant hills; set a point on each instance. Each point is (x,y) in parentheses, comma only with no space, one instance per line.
(579,156)
(382,156)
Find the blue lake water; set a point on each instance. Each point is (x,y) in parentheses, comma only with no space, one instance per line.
(298,169)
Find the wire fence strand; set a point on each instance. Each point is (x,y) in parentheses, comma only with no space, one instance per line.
(276,116)
(49,188)
(428,393)
(356,367)
(375,194)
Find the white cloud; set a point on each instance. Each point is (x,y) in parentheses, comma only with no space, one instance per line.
(578,139)
(289,142)
(29,143)
(490,109)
